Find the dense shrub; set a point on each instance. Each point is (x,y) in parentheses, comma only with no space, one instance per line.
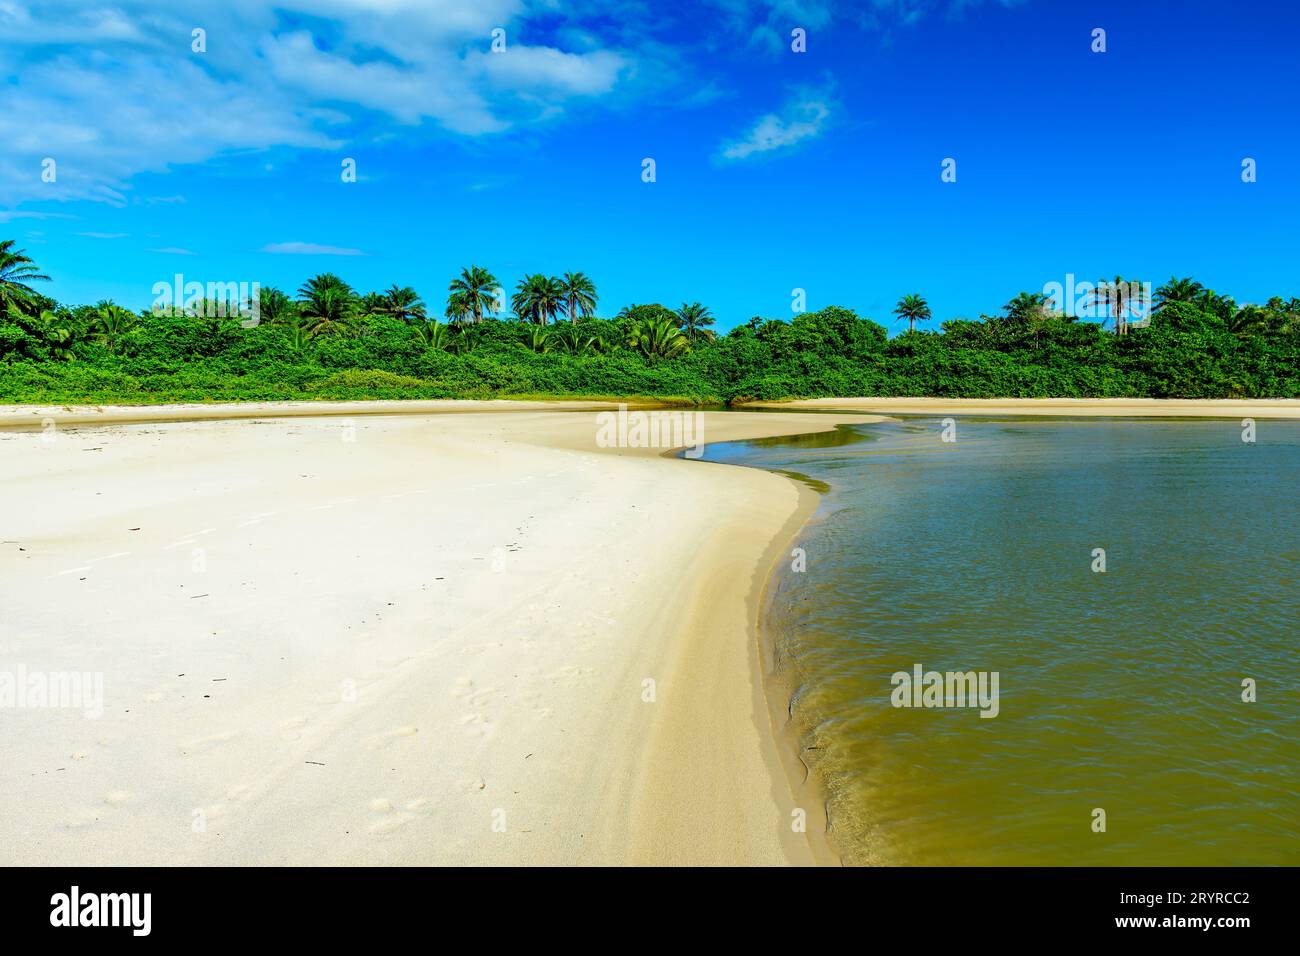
(1185,353)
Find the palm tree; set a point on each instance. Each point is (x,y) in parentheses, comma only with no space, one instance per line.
(693,319)
(273,306)
(330,310)
(300,333)
(1207,300)
(326,280)
(464,338)
(540,340)
(576,342)
(538,298)
(328,304)
(434,334)
(634,313)
(1116,295)
(60,336)
(914,308)
(372,303)
(112,324)
(604,343)
(1283,314)
(476,286)
(1247,319)
(402,304)
(657,338)
(16,271)
(579,295)
(1027,306)
(1177,290)
(458,308)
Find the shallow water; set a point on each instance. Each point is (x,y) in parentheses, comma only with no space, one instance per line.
(1118,690)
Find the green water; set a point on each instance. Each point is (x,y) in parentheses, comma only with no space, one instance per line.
(1119,690)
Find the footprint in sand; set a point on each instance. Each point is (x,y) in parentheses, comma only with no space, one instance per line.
(153,697)
(481,697)
(204,744)
(239,791)
(571,673)
(389,819)
(471,784)
(477,725)
(290,728)
(463,687)
(390,823)
(410,730)
(89,816)
(492,645)
(86,817)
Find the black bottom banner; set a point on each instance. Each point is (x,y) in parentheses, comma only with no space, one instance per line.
(338,906)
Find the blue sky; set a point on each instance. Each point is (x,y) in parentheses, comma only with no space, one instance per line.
(775,170)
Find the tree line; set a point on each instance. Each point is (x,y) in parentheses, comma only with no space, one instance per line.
(325,305)
(330,341)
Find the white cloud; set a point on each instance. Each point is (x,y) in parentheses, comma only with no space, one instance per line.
(173,251)
(115,90)
(802,118)
(104,119)
(309,249)
(538,68)
(407,95)
(103,235)
(9,216)
(75,25)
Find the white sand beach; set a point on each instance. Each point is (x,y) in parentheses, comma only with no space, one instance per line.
(381,638)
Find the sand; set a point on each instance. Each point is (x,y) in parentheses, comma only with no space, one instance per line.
(1091,407)
(35,416)
(451,638)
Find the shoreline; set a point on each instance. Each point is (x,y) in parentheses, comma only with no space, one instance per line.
(699,783)
(1059,407)
(791,780)
(34,416)
(778,696)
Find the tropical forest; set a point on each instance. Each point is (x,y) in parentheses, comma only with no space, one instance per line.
(545,337)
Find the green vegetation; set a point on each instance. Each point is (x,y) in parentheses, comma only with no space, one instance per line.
(330,342)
